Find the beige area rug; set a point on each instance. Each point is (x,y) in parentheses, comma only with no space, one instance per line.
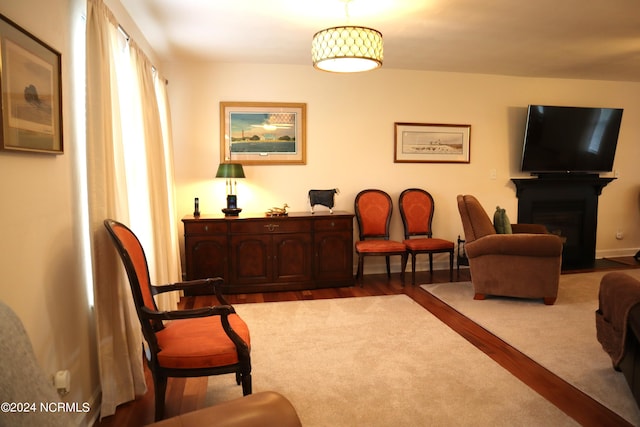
(561,337)
(379,361)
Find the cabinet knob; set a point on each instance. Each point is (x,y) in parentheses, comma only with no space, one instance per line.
(333,224)
(271,227)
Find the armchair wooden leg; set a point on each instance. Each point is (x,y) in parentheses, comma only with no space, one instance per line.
(247,387)
(549,300)
(159,388)
(479,296)
(360,273)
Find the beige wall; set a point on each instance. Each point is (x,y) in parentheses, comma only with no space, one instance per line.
(350,138)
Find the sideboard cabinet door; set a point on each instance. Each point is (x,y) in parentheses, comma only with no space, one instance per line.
(250,259)
(206,251)
(333,250)
(292,258)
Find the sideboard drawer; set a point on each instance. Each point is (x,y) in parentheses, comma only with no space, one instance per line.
(205,227)
(270,225)
(333,224)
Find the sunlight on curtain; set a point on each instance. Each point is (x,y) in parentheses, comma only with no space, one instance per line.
(118,332)
(130,179)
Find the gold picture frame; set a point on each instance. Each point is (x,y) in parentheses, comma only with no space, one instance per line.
(263,133)
(431,143)
(31,91)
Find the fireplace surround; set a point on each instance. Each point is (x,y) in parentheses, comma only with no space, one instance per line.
(568,206)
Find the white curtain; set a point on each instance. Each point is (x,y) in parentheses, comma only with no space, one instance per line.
(130,179)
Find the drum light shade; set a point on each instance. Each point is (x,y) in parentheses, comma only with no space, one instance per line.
(347,49)
(230,170)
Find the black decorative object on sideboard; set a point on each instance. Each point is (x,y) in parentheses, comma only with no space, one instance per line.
(567,206)
(271,253)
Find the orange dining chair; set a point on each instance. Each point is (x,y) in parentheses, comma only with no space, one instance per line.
(373,212)
(183,343)
(416,210)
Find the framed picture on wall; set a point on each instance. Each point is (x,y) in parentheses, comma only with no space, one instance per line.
(263,133)
(432,143)
(30,83)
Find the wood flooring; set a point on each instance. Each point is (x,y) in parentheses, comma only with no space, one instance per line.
(188,394)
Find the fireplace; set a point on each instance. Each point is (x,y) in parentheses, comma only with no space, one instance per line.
(568,207)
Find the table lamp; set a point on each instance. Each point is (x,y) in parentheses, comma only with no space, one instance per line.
(231,172)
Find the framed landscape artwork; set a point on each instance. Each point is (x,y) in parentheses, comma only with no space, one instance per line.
(30,83)
(432,143)
(263,133)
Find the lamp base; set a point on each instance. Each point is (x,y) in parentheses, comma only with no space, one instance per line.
(231,211)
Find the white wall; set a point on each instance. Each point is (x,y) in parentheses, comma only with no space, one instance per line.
(350,143)
(41,263)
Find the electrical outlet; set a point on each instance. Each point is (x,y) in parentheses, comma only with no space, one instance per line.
(619,235)
(492,174)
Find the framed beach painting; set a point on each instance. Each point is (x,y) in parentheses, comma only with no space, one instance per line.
(263,133)
(30,83)
(432,143)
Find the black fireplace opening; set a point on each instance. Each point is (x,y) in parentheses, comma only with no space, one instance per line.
(565,219)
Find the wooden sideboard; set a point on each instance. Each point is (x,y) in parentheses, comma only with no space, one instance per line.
(262,254)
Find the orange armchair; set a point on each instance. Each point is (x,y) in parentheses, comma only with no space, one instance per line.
(525,264)
(183,343)
(373,212)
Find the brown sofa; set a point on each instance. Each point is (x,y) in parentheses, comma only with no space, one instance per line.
(618,325)
(524,264)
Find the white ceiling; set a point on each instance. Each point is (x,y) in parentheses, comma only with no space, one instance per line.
(576,39)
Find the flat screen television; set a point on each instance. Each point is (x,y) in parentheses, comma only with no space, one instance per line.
(570,139)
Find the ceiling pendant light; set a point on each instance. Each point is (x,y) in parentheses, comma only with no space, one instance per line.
(347,49)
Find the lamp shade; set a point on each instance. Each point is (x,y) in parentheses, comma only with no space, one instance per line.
(230,170)
(347,49)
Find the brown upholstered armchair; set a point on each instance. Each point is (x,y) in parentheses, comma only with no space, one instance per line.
(525,264)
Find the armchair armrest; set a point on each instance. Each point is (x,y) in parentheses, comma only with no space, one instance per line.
(219,310)
(209,285)
(540,245)
(529,228)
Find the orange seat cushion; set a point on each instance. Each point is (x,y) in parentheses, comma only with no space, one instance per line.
(428,244)
(199,342)
(376,246)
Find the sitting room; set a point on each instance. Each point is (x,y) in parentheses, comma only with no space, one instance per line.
(214,189)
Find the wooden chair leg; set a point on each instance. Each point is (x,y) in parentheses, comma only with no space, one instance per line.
(403,264)
(431,264)
(159,388)
(388,267)
(360,274)
(247,387)
(451,266)
(413,268)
